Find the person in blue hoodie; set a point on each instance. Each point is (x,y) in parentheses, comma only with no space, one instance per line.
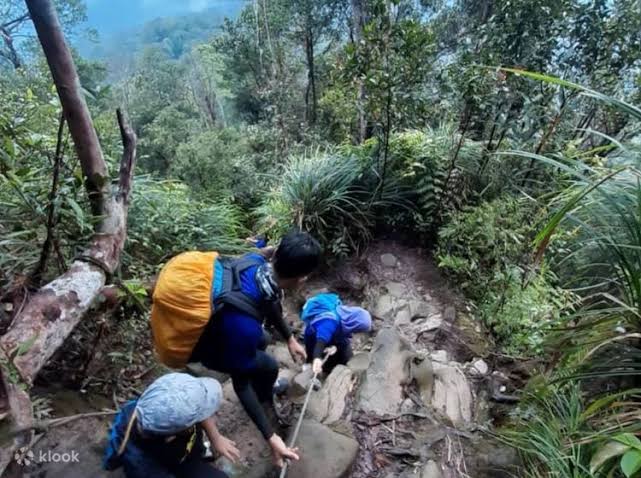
(330,323)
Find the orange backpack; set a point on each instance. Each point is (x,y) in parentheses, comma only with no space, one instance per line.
(192,287)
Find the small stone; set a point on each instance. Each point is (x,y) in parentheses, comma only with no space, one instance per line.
(431,470)
(408,406)
(389,260)
(479,367)
(439,356)
(449,314)
(502,388)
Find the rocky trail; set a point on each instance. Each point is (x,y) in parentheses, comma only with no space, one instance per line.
(415,401)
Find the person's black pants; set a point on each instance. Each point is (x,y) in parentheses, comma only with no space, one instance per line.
(198,469)
(262,378)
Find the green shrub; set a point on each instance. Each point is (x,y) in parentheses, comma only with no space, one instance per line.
(165,219)
(478,245)
(521,313)
(487,251)
(440,179)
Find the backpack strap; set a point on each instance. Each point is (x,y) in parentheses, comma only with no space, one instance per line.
(232,293)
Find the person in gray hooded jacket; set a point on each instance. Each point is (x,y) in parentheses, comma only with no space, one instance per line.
(160,434)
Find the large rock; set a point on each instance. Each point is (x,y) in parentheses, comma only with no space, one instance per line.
(381,391)
(396,289)
(329,403)
(421,309)
(403,317)
(452,394)
(431,323)
(300,383)
(359,362)
(323,453)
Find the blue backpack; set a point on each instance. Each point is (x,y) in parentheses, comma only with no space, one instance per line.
(319,307)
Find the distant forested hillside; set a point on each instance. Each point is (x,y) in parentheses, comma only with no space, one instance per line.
(173,25)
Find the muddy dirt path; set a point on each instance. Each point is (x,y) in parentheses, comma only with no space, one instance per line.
(414,401)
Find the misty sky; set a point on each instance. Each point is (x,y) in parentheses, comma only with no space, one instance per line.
(109,16)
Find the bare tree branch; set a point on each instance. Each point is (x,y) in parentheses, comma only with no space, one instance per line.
(41,267)
(15,22)
(11,54)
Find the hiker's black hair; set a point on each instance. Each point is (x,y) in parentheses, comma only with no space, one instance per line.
(298,255)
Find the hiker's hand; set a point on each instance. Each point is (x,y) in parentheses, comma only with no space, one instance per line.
(226,448)
(317,366)
(296,350)
(281,452)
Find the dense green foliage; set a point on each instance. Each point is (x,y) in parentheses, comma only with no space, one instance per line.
(354,119)
(487,251)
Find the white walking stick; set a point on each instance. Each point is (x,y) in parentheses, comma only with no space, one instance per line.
(328,353)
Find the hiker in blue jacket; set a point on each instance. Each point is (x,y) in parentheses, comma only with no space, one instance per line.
(330,323)
(160,434)
(234,342)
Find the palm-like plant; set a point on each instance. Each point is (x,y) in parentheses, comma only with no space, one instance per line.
(601,341)
(331,195)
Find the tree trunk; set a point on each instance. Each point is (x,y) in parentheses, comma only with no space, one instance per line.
(211,110)
(52,312)
(359,18)
(63,70)
(311,104)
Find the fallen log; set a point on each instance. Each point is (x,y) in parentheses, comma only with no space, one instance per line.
(50,315)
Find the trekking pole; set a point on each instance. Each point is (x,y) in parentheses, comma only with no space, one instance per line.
(328,353)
